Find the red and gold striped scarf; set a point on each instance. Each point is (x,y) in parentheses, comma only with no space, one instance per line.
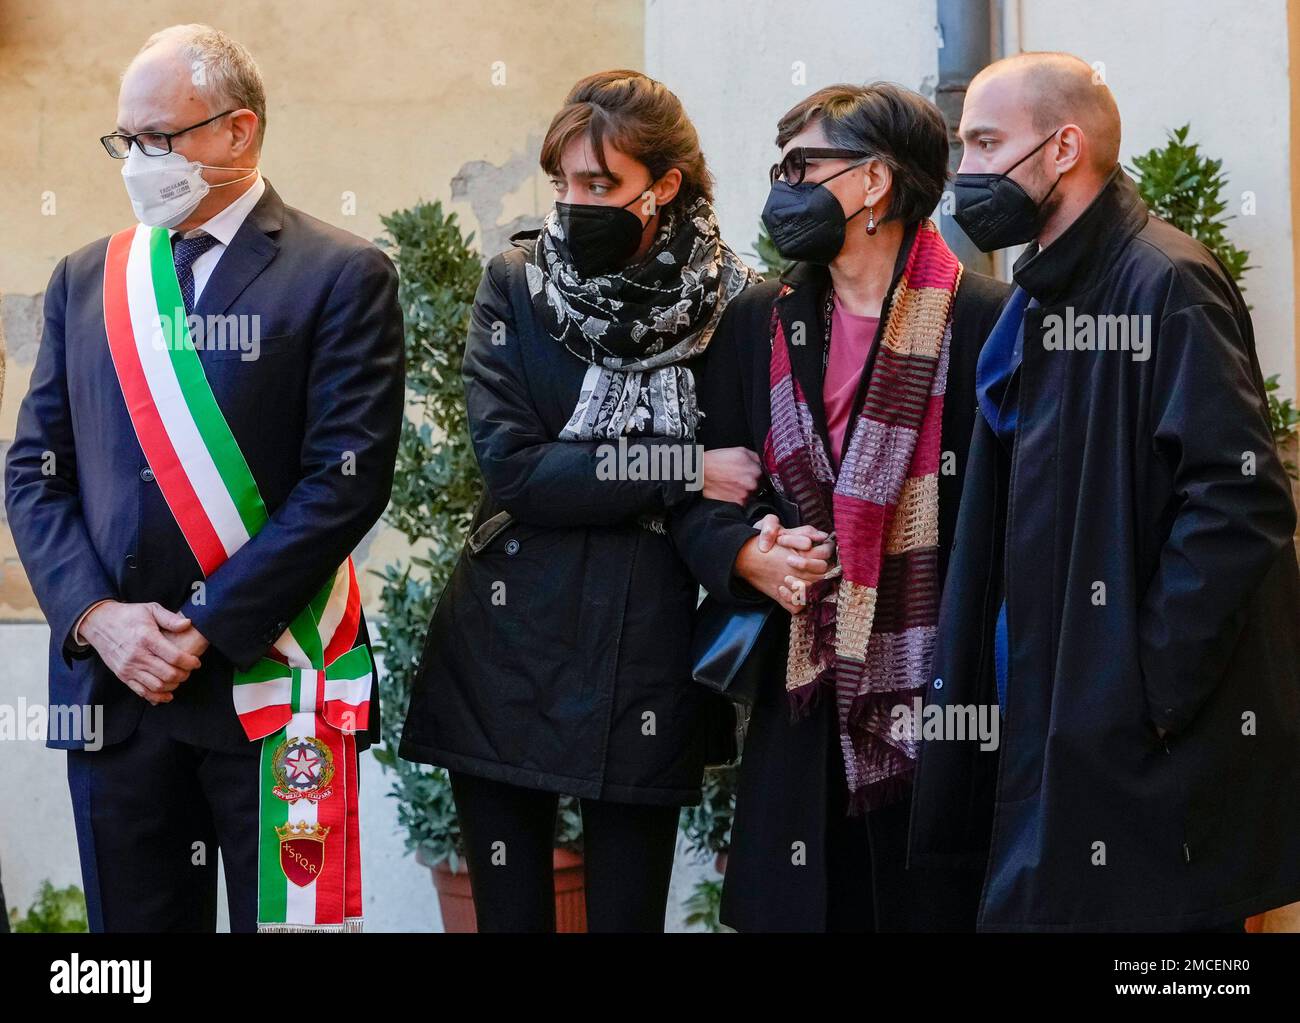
(869,626)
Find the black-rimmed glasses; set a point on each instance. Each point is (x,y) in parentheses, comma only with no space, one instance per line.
(151,143)
(794,165)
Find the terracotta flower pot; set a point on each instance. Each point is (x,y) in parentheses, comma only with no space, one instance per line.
(457,900)
(570,893)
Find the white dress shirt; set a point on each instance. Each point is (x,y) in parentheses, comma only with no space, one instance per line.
(223,228)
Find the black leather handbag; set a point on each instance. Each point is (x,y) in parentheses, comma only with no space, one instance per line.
(732,645)
(728,647)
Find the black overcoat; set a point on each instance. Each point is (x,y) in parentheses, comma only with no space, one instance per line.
(782,786)
(1150,580)
(558,657)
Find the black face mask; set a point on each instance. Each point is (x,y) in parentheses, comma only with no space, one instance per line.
(995,211)
(598,238)
(806,221)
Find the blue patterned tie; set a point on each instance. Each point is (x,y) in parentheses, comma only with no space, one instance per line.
(185,251)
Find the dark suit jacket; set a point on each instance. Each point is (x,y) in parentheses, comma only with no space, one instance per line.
(329,381)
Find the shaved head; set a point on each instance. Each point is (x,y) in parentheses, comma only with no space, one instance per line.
(1057,89)
(1048,123)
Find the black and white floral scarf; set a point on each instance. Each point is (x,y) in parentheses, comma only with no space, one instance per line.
(635,327)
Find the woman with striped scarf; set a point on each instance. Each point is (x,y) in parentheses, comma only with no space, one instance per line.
(853,377)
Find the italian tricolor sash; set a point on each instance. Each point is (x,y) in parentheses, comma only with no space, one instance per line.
(306,699)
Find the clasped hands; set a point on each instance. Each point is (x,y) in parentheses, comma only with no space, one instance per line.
(149,648)
(780,562)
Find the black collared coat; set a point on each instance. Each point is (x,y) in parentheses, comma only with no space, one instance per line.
(558,657)
(1141,533)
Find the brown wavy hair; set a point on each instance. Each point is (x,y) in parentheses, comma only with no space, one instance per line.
(637,116)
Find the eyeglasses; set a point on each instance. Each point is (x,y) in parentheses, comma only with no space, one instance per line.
(794,165)
(151,143)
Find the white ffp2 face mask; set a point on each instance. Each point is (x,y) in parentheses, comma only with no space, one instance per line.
(164,190)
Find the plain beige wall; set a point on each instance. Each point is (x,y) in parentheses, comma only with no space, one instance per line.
(388,101)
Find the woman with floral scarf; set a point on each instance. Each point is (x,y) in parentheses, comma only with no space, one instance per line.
(558,658)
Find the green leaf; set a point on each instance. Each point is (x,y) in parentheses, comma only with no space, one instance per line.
(55,911)
(1183,187)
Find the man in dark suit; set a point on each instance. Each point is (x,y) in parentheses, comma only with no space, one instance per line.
(312,392)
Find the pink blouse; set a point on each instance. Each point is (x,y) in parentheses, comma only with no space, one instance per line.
(851,339)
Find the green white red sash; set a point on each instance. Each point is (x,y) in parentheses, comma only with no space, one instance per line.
(310,694)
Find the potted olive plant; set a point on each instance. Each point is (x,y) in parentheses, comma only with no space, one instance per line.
(436,487)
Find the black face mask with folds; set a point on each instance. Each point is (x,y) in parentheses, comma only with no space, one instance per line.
(806,221)
(994,211)
(599,238)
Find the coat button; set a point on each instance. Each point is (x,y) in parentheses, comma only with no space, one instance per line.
(146,474)
(512,547)
(938,683)
(130,561)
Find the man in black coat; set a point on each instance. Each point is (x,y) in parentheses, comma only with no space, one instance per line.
(1123,577)
(164,775)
